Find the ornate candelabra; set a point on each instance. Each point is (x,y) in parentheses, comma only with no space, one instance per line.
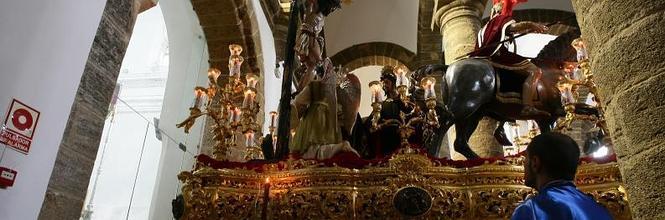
(580,76)
(232,107)
(520,141)
(413,116)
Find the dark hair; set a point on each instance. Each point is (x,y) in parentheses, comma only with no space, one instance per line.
(388,72)
(558,153)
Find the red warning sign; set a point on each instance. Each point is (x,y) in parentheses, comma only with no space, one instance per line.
(19,127)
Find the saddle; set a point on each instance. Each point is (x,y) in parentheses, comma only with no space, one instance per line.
(509,85)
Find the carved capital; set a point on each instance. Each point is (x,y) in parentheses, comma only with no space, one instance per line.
(448,10)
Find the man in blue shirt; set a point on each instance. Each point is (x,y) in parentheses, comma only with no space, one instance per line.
(550,167)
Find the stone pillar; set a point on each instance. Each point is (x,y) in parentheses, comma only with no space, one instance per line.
(482,140)
(627,49)
(459,22)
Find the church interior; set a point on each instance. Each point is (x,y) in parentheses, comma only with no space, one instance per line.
(329,109)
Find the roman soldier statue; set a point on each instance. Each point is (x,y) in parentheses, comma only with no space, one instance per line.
(310,43)
(501,27)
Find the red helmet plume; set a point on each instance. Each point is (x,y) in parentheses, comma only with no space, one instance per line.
(508,5)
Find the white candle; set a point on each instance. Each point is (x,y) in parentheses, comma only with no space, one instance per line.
(402,79)
(377,91)
(235,62)
(236,114)
(273,118)
(427,84)
(251,80)
(248,100)
(249,139)
(213,73)
(199,95)
(231,113)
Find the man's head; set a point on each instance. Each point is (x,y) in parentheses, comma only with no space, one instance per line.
(496,9)
(550,156)
(388,78)
(328,6)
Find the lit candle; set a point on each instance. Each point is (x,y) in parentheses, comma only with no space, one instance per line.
(251,80)
(591,100)
(274,143)
(377,91)
(236,114)
(273,118)
(402,80)
(579,46)
(428,85)
(230,111)
(249,138)
(235,62)
(516,132)
(249,98)
(213,73)
(198,92)
(235,49)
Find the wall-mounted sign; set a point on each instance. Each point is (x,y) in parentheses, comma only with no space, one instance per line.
(20,124)
(7,177)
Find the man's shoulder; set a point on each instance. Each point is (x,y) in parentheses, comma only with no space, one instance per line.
(569,198)
(524,210)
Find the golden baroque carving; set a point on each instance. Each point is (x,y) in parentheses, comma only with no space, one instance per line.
(304,189)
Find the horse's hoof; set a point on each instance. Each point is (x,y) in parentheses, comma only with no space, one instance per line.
(502,139)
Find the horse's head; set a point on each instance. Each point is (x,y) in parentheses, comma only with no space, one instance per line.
(555,57)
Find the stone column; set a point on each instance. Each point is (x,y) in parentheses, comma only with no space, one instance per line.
(459,22)
(627,49)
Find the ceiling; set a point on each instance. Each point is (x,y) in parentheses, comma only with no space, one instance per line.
(363,21)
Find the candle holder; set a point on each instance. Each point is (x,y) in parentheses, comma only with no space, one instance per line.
(376,89)
(570,86)
(410,119)
(402,83)
(232,108)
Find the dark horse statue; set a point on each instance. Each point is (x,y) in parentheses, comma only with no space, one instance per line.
(472,89)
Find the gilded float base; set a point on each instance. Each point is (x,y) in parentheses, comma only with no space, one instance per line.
(408,186)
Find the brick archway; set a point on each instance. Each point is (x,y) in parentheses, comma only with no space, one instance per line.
(227,22)
(374,53)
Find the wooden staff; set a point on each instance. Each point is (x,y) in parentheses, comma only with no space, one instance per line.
(284,124)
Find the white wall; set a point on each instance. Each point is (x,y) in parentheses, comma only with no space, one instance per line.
(365,75)
(272,85)
(188,65)
(45,46)
(394,21)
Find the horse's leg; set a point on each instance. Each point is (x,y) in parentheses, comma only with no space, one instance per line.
(500,135)
(545,125)
(464,129)
(439,136)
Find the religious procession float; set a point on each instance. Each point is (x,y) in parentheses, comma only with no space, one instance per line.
(321,160)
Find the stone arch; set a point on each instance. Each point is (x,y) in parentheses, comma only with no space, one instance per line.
(227,22)
(374,53)
(545,16)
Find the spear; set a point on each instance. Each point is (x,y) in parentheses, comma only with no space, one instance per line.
(510,38)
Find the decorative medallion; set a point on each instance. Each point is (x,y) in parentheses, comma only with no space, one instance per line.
(412,201)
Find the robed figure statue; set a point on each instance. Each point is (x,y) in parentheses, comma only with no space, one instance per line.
(318,133)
